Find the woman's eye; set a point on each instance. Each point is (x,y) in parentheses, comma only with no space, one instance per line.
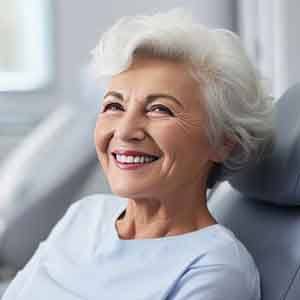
(161,109)
(112,107)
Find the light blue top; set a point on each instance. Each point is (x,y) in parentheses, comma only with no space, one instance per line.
(84,258)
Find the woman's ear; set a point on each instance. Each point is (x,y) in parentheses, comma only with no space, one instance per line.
(223,151)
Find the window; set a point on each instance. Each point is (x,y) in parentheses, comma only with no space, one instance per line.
(25,44)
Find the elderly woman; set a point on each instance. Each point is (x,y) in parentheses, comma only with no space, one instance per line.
(181,101)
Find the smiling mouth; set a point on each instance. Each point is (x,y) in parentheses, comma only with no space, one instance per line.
(134,159)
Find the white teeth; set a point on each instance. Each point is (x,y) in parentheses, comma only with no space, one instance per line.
(121,158)
(134,159)
(130,159)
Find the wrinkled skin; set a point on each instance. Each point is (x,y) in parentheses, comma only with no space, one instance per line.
(167,196)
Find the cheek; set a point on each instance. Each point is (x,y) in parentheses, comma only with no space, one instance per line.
(102,135)
(183,142)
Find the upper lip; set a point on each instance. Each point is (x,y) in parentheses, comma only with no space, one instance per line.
(131,152)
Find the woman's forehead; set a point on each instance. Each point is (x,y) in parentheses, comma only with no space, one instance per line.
(152,75)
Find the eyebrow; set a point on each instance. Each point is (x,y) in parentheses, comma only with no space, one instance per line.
(150,98)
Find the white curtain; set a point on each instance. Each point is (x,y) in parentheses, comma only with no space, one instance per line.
(268,29)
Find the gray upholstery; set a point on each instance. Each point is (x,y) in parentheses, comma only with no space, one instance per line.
(58,158)
(277,178)
(262,206)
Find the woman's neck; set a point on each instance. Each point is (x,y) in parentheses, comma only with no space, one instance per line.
(153,218)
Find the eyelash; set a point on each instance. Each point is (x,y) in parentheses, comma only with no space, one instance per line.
(152,108)
(109,105)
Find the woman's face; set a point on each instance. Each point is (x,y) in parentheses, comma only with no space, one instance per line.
(150,133)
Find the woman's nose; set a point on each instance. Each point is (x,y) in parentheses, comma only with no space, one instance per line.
(130,127)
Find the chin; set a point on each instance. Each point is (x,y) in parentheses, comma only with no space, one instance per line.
(125,191)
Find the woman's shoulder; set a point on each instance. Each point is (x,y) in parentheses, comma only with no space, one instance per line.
(94,206)
(226,249)
(82,221)
(229,256)
(97,203)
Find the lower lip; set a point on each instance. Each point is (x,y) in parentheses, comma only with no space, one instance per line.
(127,166)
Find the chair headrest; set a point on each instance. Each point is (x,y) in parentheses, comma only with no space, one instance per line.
(276,179)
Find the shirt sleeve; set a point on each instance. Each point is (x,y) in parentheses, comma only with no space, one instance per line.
(219,282)
(24,276)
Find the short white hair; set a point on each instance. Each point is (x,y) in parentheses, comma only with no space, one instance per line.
(236,103)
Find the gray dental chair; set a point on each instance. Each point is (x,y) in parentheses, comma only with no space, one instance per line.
(261,206)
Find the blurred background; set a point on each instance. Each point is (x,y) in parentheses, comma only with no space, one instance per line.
(48,105)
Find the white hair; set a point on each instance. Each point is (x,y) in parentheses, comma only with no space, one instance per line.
(236,104)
